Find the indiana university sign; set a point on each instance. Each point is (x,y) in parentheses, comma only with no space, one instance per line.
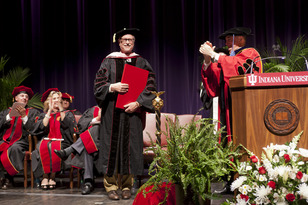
(274,79)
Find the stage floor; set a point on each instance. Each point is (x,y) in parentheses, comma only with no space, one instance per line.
(63,195)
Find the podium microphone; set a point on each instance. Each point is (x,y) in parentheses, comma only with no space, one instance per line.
(255,62)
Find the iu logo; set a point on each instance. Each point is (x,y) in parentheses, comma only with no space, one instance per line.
(252,79)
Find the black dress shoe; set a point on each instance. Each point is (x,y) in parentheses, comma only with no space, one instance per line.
(61,153)
(6,183)
(87,188)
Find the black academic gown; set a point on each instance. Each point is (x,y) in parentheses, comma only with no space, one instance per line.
(67,130)
(121,139)
(15,151)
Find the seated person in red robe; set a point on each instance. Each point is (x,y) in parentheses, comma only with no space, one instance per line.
(55,128)
(14,131)
(67,100)
(86,147)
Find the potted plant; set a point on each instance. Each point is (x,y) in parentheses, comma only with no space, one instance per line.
(192,160)
(279,178)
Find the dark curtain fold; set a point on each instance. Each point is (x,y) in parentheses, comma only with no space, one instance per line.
(63,42)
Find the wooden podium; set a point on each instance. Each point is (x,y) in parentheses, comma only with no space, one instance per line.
(269,108)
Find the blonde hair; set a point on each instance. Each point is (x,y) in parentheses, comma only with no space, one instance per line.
(46,103)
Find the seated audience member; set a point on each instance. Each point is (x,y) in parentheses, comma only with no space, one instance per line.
(67,99)
(85,148)
(14,130)
(55,128)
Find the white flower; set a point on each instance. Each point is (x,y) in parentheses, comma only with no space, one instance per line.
(276,158)
(279,199)
(262,178)
(303,190)
(248,168)
(303,152)
(304,179)
(281,153)
(300,163)
(238,182)
(261,193)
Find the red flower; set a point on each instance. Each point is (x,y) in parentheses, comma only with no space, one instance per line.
(244,197)
(290,197)
(286,158)
(272,184)
(254,159)
(262,170)
(299,175)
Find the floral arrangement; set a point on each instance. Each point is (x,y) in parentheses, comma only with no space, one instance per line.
(280,178)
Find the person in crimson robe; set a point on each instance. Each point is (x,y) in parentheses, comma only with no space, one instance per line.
(217,69)
(67,100)
(55,128)
(14,132)
(85,148)
(121,137)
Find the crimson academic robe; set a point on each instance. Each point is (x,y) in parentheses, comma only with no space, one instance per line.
(216,80)
(14,140)
(44,160)
(121,139)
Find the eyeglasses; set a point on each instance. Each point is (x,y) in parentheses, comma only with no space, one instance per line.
(128,39)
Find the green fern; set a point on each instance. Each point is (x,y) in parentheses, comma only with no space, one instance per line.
(193,158)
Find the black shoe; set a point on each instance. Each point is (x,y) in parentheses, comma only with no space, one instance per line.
(6,183)
(225,190)
(61,153)
(87,188)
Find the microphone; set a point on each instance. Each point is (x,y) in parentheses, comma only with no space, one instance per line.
(255,62)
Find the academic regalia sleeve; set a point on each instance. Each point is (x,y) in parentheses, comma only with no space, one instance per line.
(39,129)
(102,82)
(211,79)
(85,120)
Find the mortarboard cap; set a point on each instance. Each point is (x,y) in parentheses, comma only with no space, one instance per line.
(119,34)
(22,88)
(46,93)
(67,96)
(237,31)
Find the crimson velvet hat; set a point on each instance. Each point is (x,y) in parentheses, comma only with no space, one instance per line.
(67,96)
(46,93)
(237,31)
(124,31)
(22,88)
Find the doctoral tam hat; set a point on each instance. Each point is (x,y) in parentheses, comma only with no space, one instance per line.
(237,31)
(119,34)
(22,88)
(46,93)
(67,96)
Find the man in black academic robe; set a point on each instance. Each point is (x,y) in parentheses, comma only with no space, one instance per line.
(121,139)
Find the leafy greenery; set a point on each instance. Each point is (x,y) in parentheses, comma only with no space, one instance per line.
(294,60)
(13,78)
(193,159)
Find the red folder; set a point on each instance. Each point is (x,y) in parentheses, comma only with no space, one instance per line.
(136,78)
